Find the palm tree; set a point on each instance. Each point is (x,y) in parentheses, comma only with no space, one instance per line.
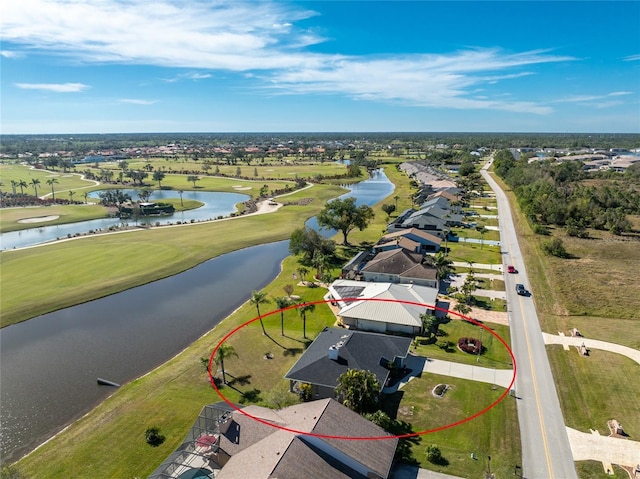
(71,193)
(303,272)
(258,298)
(225,351)
(302,311)
(359,390)
(483,231)
(180,193)
(51,182)
(14,184)
(396,198)
(444,266)
(282,302)
(22,184)
(35,182)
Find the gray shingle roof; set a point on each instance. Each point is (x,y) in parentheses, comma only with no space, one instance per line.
(361,350)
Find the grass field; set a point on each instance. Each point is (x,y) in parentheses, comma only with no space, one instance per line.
(494,433)
(111,438)
(611,392)
(16,172)
(595,290)
(125,261)
(494,354)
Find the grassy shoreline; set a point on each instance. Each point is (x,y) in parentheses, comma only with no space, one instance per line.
(125,261)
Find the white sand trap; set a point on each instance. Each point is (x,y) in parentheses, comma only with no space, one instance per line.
(271,169)
(52,176)
(39,219)
(241,187)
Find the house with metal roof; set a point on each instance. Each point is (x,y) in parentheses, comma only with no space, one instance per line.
(382,307)
(336,350)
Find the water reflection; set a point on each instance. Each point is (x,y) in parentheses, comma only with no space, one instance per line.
(215,205)
(49,364)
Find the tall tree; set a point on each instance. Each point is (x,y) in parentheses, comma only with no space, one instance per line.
(308,242)
(483,231)
(302,311)
(258,298)
(193,179)
(158,176)
(282,302)
(22,184)
(51,182)
(388,209)
(225,351)
(345,216)
(35,182)
(359,390)
(430,324)
(180,192)
(444,266)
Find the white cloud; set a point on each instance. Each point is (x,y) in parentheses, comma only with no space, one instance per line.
(10,54)
(632,58)
(54,87)
(135,101)
(232,35)
(188,76)
(420,80)
(595,99)
(261,40)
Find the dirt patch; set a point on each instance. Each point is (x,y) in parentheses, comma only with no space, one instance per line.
(39,219)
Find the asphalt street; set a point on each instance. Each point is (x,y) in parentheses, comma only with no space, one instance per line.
(546,451)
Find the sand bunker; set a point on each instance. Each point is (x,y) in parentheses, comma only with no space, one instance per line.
(39,219)
(241,187)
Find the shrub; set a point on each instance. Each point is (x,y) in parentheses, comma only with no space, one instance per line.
(554,247)
(433,453)
(470,345)
(540,230)
(153,437)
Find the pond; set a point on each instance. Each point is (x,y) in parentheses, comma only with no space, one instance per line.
(215,204)
(49,365)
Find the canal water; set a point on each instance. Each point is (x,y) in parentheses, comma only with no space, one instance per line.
(49,364)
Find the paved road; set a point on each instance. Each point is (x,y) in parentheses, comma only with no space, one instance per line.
(546,451)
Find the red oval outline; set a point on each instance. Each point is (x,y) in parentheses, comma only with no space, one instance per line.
(366,438)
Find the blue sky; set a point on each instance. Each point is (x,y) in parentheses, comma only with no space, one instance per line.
(362,66)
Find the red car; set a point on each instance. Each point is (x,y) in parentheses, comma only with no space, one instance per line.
(511,269)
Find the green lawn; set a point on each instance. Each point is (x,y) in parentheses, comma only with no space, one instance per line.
(111,438)
(494,433)
(495,354)
(124,260)
(65,180)
(475,253)
(597,388)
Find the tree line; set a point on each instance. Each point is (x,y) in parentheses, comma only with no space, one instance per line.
(563,194)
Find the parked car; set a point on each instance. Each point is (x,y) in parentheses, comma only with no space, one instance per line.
(511,269)
(521,290)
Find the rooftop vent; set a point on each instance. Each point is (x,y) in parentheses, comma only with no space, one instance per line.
(333,352)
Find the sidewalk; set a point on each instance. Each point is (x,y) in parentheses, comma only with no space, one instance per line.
(458,280)
(608,450)
(578,341)
(405,471)
(418,364)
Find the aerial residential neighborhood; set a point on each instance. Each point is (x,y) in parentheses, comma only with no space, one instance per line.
(319,240)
